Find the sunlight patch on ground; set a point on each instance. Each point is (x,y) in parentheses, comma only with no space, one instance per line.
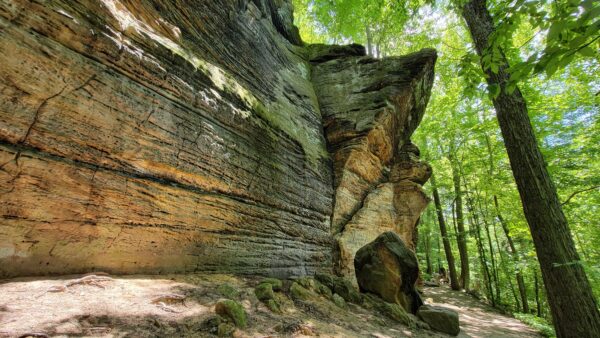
(30,305)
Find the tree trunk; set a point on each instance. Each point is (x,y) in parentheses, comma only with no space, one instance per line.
(461,237)
(487,278)
(427,243)
(507,274)
(369,41)
(492,258)
(537,294)
(574,309)
(447,248)
(515,256)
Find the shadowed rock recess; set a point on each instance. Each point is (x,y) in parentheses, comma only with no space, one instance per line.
(198,136)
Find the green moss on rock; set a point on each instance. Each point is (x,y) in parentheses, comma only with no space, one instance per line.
(277,284)
(299,292)
(228,291)
(264,292)
(339,301)
(233,311)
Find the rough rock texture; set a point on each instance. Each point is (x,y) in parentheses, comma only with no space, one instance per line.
(440,319)
(389,269)
(370,109)
(174,136)
(155,136)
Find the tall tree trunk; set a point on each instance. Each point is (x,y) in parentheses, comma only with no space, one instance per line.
(369,41)
(487,278)
(427,243)
(492,257)
(461,237)
(507,274)
(574,309)
(515,256)
(447,248)
(537,294)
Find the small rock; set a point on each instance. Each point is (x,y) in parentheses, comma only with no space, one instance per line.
(233,311)
(339,301)
(299,292)
(431,283)
(264,292)
(276,284)
(341,286)
(440,319)
(228,291)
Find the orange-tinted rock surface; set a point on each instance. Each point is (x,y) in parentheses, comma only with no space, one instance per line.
(173,136)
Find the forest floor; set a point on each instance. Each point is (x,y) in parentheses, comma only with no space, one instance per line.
(134,306)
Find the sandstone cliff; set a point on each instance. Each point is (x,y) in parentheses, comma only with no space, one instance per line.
(175,136)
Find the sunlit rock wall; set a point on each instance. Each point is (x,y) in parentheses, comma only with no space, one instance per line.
(155,136)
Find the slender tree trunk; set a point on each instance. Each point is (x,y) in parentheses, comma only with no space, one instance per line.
(369,41)
(515,257)
(537,294)
(447,248)
(427,243)
(505,269)
(574,309)
(487,279)
(493,260)
(461,238)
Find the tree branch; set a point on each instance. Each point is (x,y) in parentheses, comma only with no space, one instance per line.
(579,192)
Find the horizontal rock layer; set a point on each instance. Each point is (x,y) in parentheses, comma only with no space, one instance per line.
(158,136)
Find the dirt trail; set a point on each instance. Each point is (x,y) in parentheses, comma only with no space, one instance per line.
(477,319)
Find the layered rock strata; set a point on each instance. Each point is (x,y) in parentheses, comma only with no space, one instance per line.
(370,109)
(175,136)
(156,136)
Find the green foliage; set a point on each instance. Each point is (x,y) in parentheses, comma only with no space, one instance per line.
(540,324)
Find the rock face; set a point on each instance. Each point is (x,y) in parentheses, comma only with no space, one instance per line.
(389,269)
(370,109)
(169,136)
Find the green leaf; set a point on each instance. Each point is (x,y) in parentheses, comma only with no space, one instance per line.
(494,90)
(494,67)
(578,41)
(587,51)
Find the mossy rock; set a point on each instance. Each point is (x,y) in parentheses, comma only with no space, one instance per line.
(341,286)
(232,311)
(277,284)
(264,292)
(228,291)
(297,291)
(339,301)
(316,286)
(273,305)
(393,311)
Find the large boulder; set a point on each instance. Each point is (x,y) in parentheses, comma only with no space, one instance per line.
(440,319)
(389,269)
